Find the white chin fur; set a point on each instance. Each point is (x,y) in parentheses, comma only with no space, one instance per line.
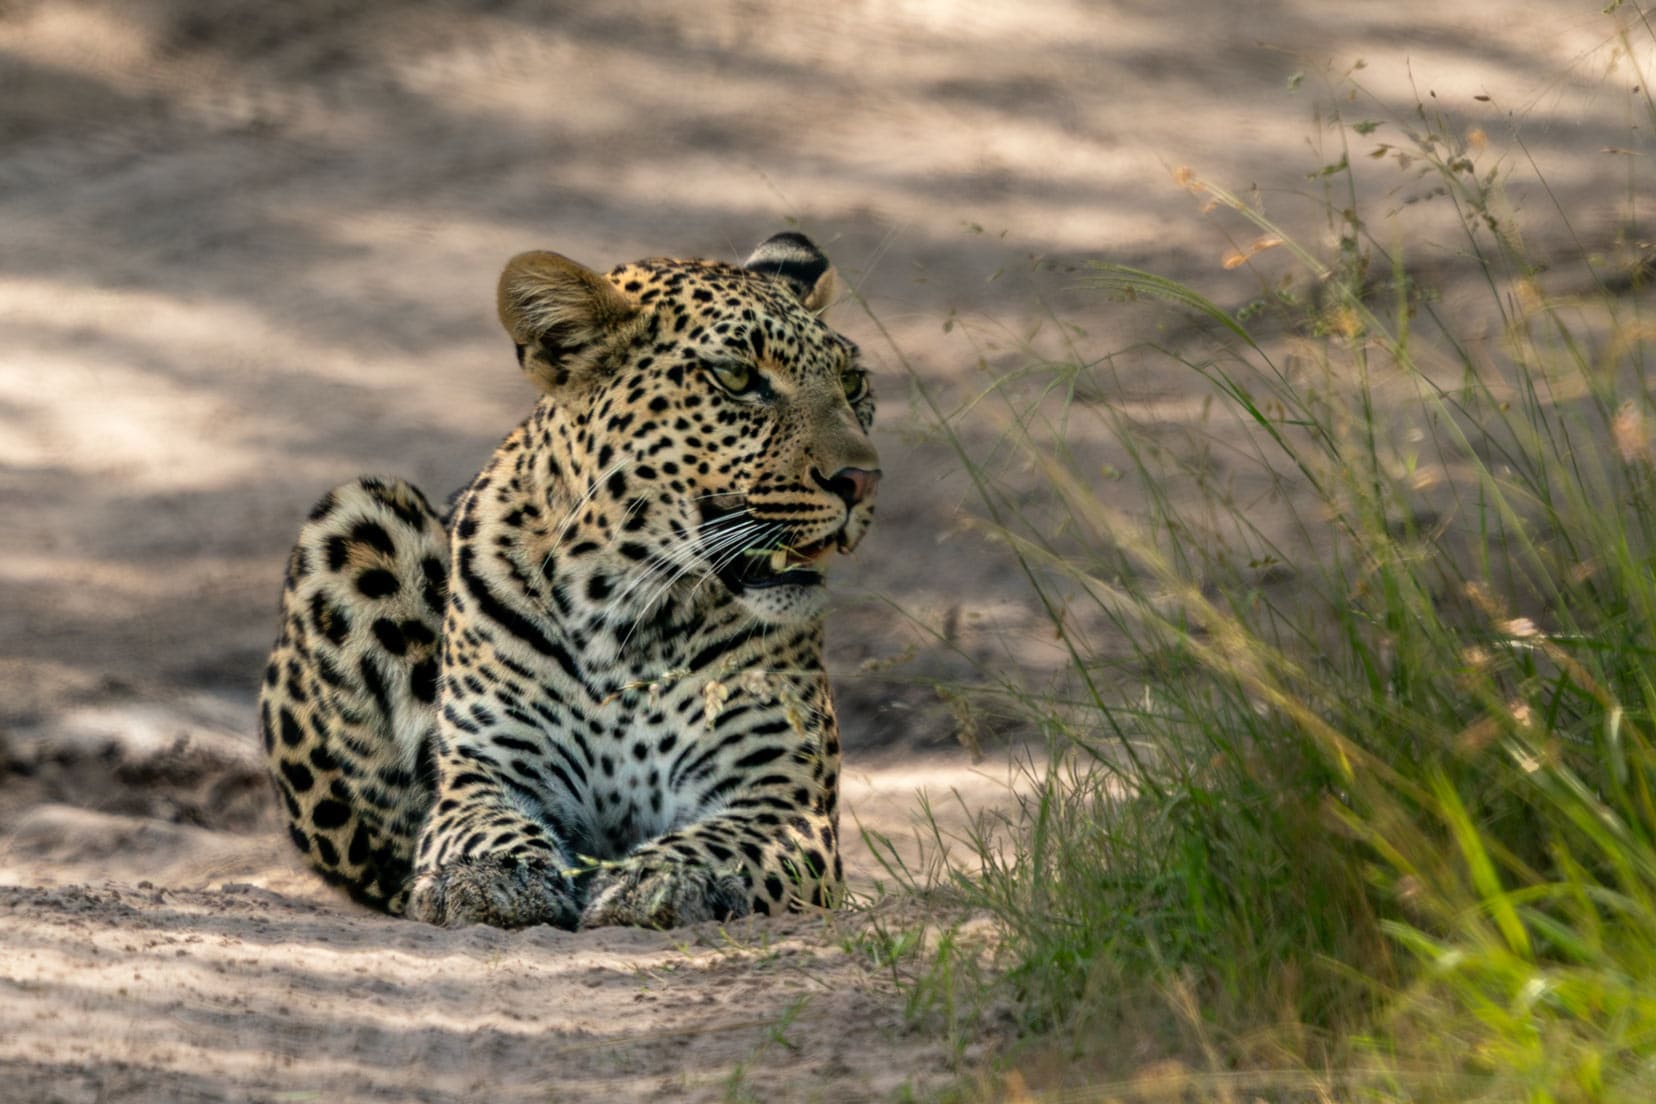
(783,604)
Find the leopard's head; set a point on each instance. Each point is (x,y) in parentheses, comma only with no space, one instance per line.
(714,428)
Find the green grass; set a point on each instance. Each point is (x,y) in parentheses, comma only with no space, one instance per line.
(1349,792)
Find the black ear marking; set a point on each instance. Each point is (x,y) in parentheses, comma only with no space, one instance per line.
(559,342)
(798,261)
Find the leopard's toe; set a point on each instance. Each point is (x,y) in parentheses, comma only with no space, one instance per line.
(503,892)
(665,896)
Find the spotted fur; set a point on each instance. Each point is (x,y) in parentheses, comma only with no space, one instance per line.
(596,696)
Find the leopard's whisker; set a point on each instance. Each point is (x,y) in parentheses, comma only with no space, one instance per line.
(684,556)
(690,555)
(709,558)
(677,552)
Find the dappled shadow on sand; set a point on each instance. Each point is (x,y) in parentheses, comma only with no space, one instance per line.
(246,994)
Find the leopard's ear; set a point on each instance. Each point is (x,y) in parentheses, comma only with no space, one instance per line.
(563,317)
(797,260)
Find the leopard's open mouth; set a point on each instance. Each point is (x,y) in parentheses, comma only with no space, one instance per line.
(772,564)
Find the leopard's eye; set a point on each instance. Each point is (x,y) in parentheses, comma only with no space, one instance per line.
(855,383)
(734,376)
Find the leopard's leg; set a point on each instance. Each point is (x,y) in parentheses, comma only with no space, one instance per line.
(481,859)
(347,704)
(773,846)
(495,848)
(718,869)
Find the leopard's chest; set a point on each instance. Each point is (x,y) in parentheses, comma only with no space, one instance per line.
(615,726)
(631,768)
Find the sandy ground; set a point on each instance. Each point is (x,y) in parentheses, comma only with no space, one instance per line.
(159,942)
(247,250)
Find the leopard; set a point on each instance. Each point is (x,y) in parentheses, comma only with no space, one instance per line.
(591,691)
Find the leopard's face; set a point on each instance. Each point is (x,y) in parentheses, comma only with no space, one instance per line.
(721,429)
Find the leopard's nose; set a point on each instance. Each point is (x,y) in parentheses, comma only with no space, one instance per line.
(853,485)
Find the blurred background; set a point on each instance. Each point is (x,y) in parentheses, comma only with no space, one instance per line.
(248,250)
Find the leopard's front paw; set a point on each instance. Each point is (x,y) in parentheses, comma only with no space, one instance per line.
(664,895)
(503,892)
